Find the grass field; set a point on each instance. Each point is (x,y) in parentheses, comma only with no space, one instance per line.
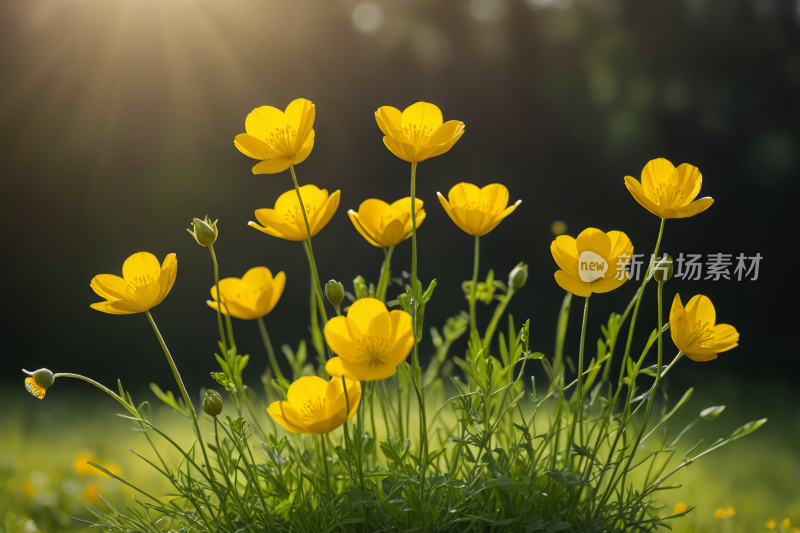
(44,446)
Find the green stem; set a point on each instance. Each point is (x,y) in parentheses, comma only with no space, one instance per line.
(498,314)
(413,229)
(219,303)
(383,284)
(108,391)
(473,328)
(273,362)
(325,463)
(576,418)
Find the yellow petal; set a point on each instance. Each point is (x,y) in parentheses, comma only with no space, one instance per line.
(700,309)
(689,182)
(337,397)
(573,285)
(253,147)
(443,148)
(464,194)
(305,389)
(337,366)
(402,150)
(257,277)
(447,132)
(339,338)
(305,150)
(372,212)
(388,119)
(565,253)
(371,317)
(287,416)
(635,188)
(277,290)
(452,214)
(393,233)
(300,116)
(421,114)
(360,228)
(654,173)
(263,121)
(700,357)
(290,233)
(272,166)
(694,208)
(610,281)
(402,336)
(325,216)
(106,307)
(593,240)
(245,151)
(499,218)
(725,338)
(495,196)
(141,265)
(109,287)
(169,271)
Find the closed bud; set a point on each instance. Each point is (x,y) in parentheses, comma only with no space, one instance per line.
(39,382)
(518,277)
(205,232)
(334,290)
(662,271)
(212,403)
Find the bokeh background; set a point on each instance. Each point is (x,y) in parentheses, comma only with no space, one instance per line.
(118,118)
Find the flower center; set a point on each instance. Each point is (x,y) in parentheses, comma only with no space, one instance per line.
(667,195)
(140,281)
(282,140)
(484,207)
(315,409)
(372,350)
(417,135)
(293,215)
(701,335)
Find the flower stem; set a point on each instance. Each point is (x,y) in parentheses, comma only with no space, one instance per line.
(325,463)
(576,418)
(498,313)
(273,362)
(108,391)
(383,283)
(219,303)
(473,328)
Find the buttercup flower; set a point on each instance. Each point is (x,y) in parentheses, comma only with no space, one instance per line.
(279,139)
(668,192)
(695,332)
(679,508)
(720,513)
(477,211)
(251,297)
(285,221)
(82,466)
(417,133)
(594,262)
(370,342)
(39,382)
(771,523)
(385,224)
(143,285)
(316,406)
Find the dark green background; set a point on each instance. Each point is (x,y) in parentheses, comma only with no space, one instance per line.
(118,119)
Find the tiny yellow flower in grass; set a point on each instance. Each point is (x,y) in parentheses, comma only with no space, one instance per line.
(82,466)
(251,297)
(370,341)
(39,382)
(143,285)
(278,138)
(29,488)
(285,221)
(383,224)
(771,523)
(592,263)
(695,332)
(91,492)
(786,523)
(720,513)
(316,406)
(668,192)
(679,508)
(731,511)
(475,210)
(418,133)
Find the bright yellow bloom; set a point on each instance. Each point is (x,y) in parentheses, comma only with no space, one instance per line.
(731,511)
(370,342)
(594,262)
(286,220)
(771,523)
(91,492)
(786,523)
(251,297)
(477,211)
(695,331)
(34,388)
(143,285)
(82,467)
(316,406)
(279,139)
(679,508)
(385,224)
(417,133)
(668,192)
(720,513)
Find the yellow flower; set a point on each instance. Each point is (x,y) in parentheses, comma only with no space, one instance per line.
(594,262)
(668,192)
(316,406)
(91,492)
(286,220)
(251,297)
(370,342)
(679,508)
(417,133)
(39,382)
(731,511)
(143,285)
(477,211)
(82,466)
(786,523)
(695,332)
(385,224)
(279,139)
(720,513)
(771,523)
(29,488)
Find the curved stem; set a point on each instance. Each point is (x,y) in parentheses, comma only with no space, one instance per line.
(219,303)
(325,462)
(108,391)
(473,328)
(498,314)
(383,283)
(273,362)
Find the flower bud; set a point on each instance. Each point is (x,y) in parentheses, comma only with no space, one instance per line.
(205,232)
(662,271)
(334,290)
(39,382)
(518,277)
(212,403)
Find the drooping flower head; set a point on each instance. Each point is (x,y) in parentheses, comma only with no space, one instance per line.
(594,262)
(39,382)
(417,133)
(285,221)
(669,192)
(251,297)
(278,138)
(144,284)
(477,211)
(695,331)
(370,341)
(316,406)
(383,224)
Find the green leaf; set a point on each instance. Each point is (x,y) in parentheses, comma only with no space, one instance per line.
(168,399)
